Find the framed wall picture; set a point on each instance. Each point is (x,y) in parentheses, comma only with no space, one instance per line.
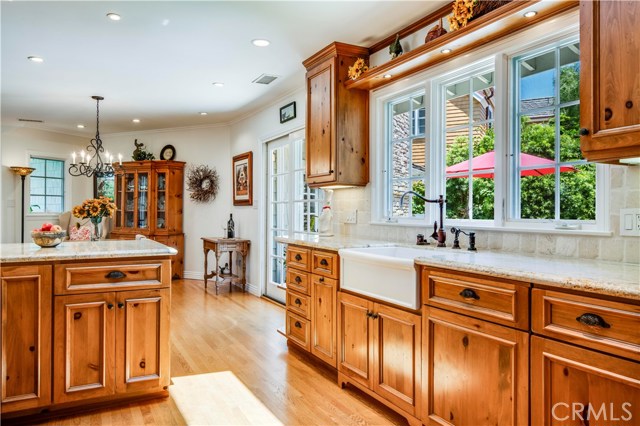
(242,167)
(288,112)
(104,187)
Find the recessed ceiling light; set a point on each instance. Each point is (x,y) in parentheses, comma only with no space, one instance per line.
(114,16)
(80,126)
(136,120)
(445,51)
(203,113)
(530,14)
(218,84)
(386,76)
(260,42)
(35,59)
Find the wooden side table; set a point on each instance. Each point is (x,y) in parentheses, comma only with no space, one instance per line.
(222,245)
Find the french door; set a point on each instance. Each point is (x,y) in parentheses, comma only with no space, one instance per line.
(292,207)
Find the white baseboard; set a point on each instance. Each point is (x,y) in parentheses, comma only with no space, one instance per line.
(199,275)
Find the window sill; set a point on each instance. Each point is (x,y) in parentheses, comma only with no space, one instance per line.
(43,215)
(520,230)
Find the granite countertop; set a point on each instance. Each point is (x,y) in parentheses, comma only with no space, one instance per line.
(75,250)
(595,276)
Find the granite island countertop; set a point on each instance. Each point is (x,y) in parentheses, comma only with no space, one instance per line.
(593,276)
(76,250)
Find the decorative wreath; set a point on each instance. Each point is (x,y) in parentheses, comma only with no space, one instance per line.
(203,183)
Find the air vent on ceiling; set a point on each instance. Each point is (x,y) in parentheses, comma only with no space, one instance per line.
(265,79)
(29,120)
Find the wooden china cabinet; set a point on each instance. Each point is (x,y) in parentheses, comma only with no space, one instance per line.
(149,200)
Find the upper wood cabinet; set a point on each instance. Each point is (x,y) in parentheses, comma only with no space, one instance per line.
(337,128)
(149,197)
(609,80)
(26,337)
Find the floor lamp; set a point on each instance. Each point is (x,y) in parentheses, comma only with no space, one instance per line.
(23,172)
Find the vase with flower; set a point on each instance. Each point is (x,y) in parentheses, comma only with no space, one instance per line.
(95,209)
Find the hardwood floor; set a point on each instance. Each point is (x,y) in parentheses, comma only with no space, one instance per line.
(229,365)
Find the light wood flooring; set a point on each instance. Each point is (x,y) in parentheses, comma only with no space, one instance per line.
(230,366)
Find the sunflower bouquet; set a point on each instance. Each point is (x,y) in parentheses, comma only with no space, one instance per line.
(94,208)
(462,13)
(358,67)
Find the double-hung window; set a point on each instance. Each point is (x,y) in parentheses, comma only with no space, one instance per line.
(551,179)
(46,185)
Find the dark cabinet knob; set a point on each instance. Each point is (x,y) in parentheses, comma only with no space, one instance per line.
(369,314)
(608,113)
(298,257)
(298,302)
(629,104)
(321,279)
(142,364)
(116,275)
(110,306)
(298,279)
(32,348)
(584,132)
(120,305)
(374,316)
(592,320)
(77,315)
(324,262)
(468,293)
(298,325)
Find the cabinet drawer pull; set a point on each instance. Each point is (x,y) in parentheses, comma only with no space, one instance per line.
(374,316)
(110,306)
(468,293)
(298,257)
(298,325)
(120,305)
(298,279)
(324,262)
(321,279)
(592,320)
(115,275)
(369,314)
(584,132)
(77,315)
(298,302)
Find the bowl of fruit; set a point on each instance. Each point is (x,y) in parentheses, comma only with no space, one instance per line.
(48,235)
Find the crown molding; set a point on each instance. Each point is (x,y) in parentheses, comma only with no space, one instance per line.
(171,129)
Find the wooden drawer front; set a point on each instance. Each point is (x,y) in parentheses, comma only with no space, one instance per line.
(298,330)
(324,263)
(298,257)
(298,303)
(614,326)
(298,281)
(497,301)
(111,276)
(227,247)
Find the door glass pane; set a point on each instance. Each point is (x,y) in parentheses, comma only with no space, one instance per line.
(161,200)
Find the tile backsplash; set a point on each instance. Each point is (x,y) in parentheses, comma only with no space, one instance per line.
(624,192)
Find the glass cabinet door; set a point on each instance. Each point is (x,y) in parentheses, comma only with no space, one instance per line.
(120,203)
(161,185)
(143,201)
(129,200)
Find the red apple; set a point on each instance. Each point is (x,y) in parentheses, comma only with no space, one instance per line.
(46,227)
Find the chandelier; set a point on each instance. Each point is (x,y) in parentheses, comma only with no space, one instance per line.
(92,162)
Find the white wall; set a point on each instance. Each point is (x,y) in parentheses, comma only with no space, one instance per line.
(17,144)
(196,146)
(251,134)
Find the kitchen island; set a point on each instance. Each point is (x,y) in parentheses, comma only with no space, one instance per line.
(83,323)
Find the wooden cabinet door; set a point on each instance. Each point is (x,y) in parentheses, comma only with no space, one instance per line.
(396,375)
(574,386)
(323,318)
(84,342)
(26,337)
(609,79)
(474,372)
(142,340)
(355,355)
(321,150)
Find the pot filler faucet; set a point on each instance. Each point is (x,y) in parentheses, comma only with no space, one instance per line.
(439,235)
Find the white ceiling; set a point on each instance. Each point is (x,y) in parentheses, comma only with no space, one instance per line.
(159,62)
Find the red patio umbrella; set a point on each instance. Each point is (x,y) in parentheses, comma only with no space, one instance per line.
(487,162)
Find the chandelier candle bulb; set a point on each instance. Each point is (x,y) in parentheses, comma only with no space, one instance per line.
(82,156)
(73,156)
(120,159)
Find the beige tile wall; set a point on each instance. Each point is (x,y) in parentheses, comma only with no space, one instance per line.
(624,193)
